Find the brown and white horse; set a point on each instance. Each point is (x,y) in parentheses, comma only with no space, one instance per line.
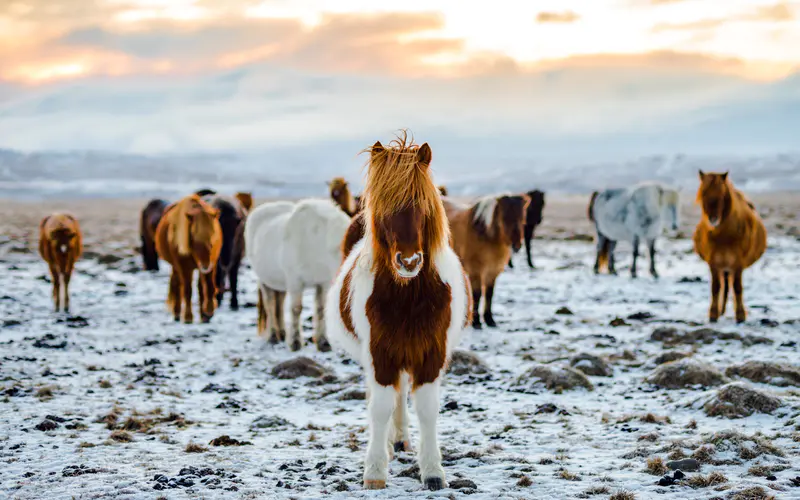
(399,305)
(189,237)
(340,193)
(484,235)
(60,245)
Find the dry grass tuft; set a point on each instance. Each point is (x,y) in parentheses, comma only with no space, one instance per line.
(121,436)
(45,393)
(195,448)
(753,493)
(567,475)
(597,490)
(524,481)
(656,466)
(738,400)
(622,495)
(701,481)
(105,384)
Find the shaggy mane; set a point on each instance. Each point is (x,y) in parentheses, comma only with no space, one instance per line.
(396,180)
(183,230)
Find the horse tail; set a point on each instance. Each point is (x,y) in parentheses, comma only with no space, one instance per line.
(591,205)
(602,255)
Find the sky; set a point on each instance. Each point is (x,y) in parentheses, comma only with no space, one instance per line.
(229,74)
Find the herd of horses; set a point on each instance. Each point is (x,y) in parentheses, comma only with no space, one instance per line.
(399,271)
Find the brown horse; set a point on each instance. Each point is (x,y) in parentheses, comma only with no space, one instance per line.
(730,237)
(398,306)
(60,245)
(532,219)
(148,222)
(484,235)
(189,237)
(340,193)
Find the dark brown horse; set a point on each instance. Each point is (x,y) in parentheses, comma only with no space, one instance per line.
(231,219)
(730,237)
(148,222)
(532,219)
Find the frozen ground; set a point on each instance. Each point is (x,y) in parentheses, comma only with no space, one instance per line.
(128,390)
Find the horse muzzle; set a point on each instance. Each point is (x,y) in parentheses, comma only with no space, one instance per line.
(408,267)
(206,270)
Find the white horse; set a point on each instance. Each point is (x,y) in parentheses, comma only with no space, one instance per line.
(632,214)
(290,247)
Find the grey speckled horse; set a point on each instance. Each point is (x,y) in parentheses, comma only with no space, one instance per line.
(632,214)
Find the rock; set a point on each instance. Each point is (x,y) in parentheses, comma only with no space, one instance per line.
(772,478)
(666,481)
(685,373)
(108,258)
(738,400)
(270,422)
(451,405)
(641,316)
(664,334)
(678,474)
(766,372)
(466,363)
(301,366)
(228,441)
(47,425)
(462,484)
(221,389)
(771,323)
(591,365)
(685,464)
(353,395)
(564,311)
(668,356)
(553,378)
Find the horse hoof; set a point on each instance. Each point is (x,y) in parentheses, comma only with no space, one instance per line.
(295,345)
(490,322)
(434,483)
(477,325)
(234,307)
(712,320)
(205,319)
(177,319)
(374,484)
(401,446)
(324,346)
(273,339)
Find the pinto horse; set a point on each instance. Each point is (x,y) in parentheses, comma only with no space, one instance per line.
(60,245)
(484,235)
(399,304)
(231,217)
(189,237)
(148,222)
(340,193)
(730,237)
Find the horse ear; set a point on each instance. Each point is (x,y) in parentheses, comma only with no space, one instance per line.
(424,154)
(702,174)
(725,176)
(377,148)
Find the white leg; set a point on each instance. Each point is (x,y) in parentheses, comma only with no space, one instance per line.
(426,402)
(294,339)
(380,407)
(400,440)
(320,337)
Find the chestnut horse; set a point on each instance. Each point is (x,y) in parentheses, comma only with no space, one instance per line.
(399,304)
(532,219)
(484,235)
(189,237)
(730,237)
(340,193)
(60,245)
(148,222)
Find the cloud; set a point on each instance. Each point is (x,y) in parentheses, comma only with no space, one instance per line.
(565,17)
(777,13)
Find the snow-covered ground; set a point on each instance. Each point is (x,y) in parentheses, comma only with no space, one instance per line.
(168,385)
